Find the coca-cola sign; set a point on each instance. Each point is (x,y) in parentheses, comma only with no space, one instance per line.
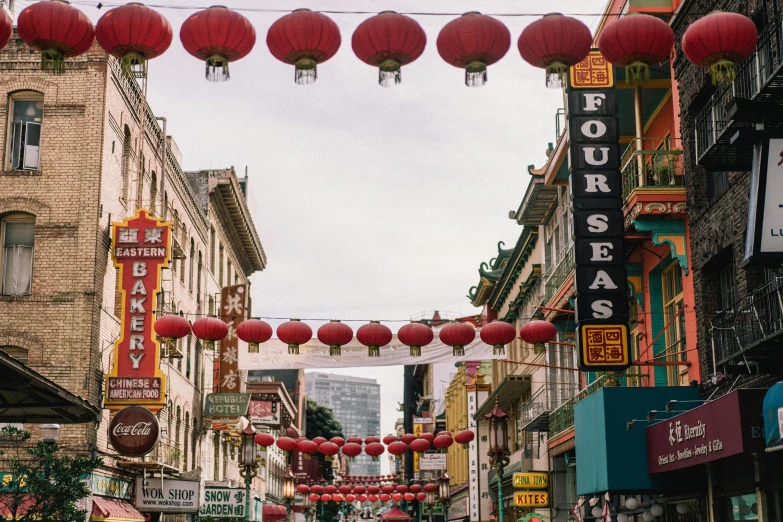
(134,431)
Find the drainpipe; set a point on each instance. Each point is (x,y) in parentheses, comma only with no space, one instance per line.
(639,117)
(163,211)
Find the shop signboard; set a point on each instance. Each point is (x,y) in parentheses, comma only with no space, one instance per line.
(226,405)
(167,496)
(140,248)
(265,412)
(531,480)
(537,499)
(110,486)
(233,305)
(418,429)
(134,431)
(458,508)
(223,503)
(306,469)
(764,234)
(432,461)
(595,182)
(721,428)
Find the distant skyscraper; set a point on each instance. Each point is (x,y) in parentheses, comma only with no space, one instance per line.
(356,403)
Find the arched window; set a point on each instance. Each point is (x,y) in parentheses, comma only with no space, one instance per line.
(17,352)
(190,267)
(24,147)
(153,193)
(17,237)
(170,424)
(198,378)
(125,164)
(194,434)
(177,431)
(186,442)
(165,205)
(198,277)
(216,455)
(187,365)
(182,261)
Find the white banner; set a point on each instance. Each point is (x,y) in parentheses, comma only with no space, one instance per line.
(273,355)
(432,461)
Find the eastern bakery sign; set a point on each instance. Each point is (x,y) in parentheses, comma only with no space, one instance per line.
(141,249)
(718,429)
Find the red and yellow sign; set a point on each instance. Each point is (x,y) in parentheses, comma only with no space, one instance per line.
(604,346)
(233,308)
(418,429)
(592,72)
(140,248)
(538,499)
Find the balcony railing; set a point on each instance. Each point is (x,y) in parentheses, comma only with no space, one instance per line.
(757,78)
(755,319)
(534,413)
(562,418)
(651,162)
(168,453)
(559,271)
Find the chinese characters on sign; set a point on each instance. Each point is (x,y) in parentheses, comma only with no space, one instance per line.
(233,301)
(140,249)
(600,279)
(223,503)
(478,504)
(265,412)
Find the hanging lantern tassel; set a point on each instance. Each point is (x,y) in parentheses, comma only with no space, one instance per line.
(415,351)
(389,73)
(556,74)
(133,63)
(475,74)
(209,345)
(334,351)
(217,69)
(637,72)
(458,350)
(293,349)
(723,72)
(374,351)
(305,72)
(498,349)
(52,61)
(539,348)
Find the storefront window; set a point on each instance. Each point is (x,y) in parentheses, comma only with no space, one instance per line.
(675,321)
(742,507)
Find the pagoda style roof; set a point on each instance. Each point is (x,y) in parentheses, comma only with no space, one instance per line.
(489,274)
(517,261)
(540,199)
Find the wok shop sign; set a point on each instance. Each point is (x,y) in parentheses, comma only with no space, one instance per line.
(600,278)
(167,496)
(223,503)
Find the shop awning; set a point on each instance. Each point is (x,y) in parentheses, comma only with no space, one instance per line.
(274,512)
(29,397)
(507,392)
(395,514)
(110,510)
(773,417)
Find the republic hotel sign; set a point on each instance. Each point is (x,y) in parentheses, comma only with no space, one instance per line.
(600,279)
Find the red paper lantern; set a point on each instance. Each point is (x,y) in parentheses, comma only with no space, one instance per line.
(307,446)
(350,498)
(375,450)
(351,450)
(362,498)
(254,332)
(337,497)
(218,36)
(359,490)
(385,498)
(719,41)
(209,330)
(304,39)
(339,441)
(373,490)
(464,437)
(335,334)
(429,437)
(330,489)
(472,42)
(317,489)
(387,489)
(537,333)
(420,445)
(402,488)
(344,489)
(421,497)
(373,336)
(636,42)
(326,497)
(388,439)
(430,488)
(58,30)
(457,335)
(292,432)
(388,41)
(498,334)
(319,440)
(303,488)
(415,335)
(415,488)
(294,333)
(442,441)
(408,438)
(555,43)
(355,440)
(397,448)
(328,449)
(134,33)
(314,498)
(371,439)
(171,327)
(397,497)
(286,443)
(6,28)
(264,439)
(409,497)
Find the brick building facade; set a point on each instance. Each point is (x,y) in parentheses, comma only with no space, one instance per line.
(74,161)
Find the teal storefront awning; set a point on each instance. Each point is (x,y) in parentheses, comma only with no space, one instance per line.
(773,417)
(609,456)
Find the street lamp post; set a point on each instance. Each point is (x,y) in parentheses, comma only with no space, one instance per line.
(498,448)
(249,463)
(288,492)
(444,490)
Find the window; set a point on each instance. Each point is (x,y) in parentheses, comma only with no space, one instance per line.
(221,252)
(198,278)
(190,266)
(25,132)
(671,278)
(228,272)
(153,193)
(18,353)
(187,365)
(17,232)
(636,333)
(212,250)
(125,163)
(717,184)
(727,287)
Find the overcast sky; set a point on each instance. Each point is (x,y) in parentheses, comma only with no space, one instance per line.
(370,202)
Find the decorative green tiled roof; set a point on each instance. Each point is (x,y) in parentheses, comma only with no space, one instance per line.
(518,260)
(490,273)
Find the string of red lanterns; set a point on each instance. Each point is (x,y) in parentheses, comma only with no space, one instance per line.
(135,34)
